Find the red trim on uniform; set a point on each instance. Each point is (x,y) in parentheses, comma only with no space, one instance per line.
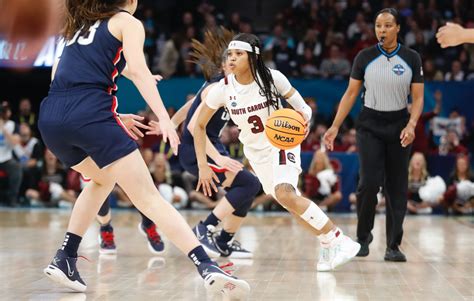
(117,119)
(282,157)
(114,107)
(226,81)
(338,233)
(216,168)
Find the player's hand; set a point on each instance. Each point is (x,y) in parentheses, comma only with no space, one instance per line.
(330,136)
(206,181)
(230,164)
(407,135)
(306,123)
(133,124)
(154,128)
(450,35)
(169,134)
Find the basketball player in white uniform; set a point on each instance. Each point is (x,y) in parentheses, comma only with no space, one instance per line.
(250,94)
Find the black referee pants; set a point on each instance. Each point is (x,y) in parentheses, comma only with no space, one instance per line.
(383,162)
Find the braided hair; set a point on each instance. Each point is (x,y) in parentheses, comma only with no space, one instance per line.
(260,73)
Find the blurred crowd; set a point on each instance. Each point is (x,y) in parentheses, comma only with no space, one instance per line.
(314,39)
(30,175)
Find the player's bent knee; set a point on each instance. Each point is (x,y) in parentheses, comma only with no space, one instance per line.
(286,195)
(242,192)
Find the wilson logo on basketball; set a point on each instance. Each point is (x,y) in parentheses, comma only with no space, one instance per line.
(286,125)
(229,286)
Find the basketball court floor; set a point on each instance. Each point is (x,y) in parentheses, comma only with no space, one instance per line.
(440,252)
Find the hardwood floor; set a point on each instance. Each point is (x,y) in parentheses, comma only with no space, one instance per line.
(440,252)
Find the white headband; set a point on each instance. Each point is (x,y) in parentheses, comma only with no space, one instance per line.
(242,46)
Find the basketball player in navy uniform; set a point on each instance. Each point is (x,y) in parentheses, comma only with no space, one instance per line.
(78,123)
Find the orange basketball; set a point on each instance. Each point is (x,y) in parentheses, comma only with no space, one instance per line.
(285,128)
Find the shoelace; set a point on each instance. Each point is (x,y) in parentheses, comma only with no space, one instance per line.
(107,238)
(152,234)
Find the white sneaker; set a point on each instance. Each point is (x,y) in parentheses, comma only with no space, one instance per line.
(338,253)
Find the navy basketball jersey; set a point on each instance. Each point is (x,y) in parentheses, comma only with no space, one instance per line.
(215,125)
(91,59)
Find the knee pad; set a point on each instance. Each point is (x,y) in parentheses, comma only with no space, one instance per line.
(242,192)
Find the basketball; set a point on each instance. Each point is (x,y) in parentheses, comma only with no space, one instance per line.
(285,128)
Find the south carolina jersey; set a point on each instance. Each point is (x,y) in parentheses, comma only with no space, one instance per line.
(91,59)
(248,110)
(214,126)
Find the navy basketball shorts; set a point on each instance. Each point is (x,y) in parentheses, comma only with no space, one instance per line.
(76,124)
(188,160)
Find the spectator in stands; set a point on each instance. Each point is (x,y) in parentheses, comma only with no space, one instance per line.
(307,64)
(284,57)
(417,177)
(456,73)
(310,41)
(321,184)
(48,184)
(29,151)
(336,66)
(273,40)
(26,115)
(423,140)
(348,142)
(8,140)
(460,193)
(150,35)
(161,174)
(430,71)
(169,58)
(450,144)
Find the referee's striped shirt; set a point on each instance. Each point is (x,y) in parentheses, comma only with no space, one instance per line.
(387,76)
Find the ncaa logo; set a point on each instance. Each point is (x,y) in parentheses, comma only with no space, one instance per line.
(398,69)
(291,157)
(233,104)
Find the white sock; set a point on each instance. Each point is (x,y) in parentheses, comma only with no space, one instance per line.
(315,216)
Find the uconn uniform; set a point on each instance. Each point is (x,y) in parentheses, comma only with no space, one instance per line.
(78,117)
(249,111)
(187,153)
(387,79)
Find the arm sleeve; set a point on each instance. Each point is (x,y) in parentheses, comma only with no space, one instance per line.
(417,68)
(216,97)
(281,82)
(358,67)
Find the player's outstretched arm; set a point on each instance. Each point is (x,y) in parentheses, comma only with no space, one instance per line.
(133,38)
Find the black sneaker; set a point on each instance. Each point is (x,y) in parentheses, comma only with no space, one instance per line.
(205,236)
(394,255)
(155,244)
(218,281)
(233,249)
(63,271)
(364,246)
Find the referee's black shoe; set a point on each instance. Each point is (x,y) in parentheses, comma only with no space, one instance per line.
(394,255)
(364,246)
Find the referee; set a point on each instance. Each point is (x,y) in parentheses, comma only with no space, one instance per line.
(389,73)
